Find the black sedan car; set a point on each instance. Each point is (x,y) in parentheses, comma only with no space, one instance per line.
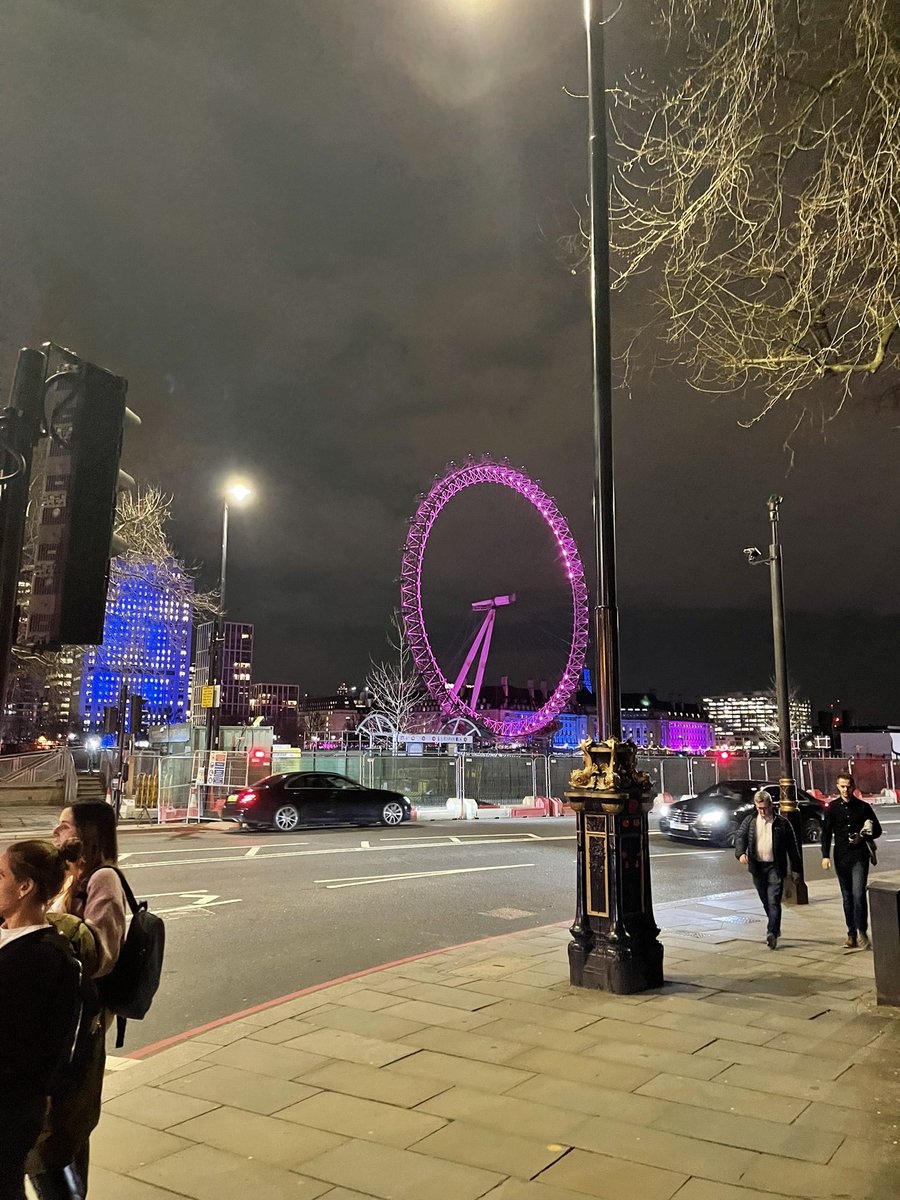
(287,801)
(716,813)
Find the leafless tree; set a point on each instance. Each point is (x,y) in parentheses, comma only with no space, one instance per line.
(758,188)
(394,683)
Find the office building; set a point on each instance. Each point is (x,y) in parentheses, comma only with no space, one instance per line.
(234,676)
(277,705)
(749,720)
(146,644)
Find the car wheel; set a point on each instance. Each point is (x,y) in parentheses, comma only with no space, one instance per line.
(812,833)
(286,818)
(392,813)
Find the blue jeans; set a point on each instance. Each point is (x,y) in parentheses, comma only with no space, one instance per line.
(770,886)
(853,874)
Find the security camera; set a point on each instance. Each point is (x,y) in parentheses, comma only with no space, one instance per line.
(754,554)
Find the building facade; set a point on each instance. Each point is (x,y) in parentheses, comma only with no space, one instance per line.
(749,720)
(277,704)
(146,644)
(236,671)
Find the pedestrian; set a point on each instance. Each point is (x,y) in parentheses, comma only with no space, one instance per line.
(766,843)
(853,827)
(93,892)
(39,1001)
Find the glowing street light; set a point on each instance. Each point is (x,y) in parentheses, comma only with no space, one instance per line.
(239,492)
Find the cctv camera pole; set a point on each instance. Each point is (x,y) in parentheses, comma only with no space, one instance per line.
(788,798)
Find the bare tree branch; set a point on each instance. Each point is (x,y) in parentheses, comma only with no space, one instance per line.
(758,187)
(394,683)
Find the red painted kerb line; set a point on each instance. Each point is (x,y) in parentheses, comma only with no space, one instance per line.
(145,1051)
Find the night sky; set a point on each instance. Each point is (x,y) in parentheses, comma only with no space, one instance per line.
(322,240)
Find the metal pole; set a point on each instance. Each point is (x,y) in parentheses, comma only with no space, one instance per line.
(606,615)
(787,787)
(217,643)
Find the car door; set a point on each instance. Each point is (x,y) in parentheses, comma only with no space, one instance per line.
(346,799)
(312,795)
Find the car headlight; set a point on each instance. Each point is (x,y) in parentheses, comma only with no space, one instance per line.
(713,816)
(664,810)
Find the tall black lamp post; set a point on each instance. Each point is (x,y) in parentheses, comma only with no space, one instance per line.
(236,493)
(787,801)
(614,943)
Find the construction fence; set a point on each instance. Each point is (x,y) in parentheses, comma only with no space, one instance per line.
(191,787)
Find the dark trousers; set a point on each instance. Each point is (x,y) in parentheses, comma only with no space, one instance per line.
(853,873)
(19,1129)
(770,886)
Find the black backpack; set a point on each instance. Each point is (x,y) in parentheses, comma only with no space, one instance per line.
(129,988)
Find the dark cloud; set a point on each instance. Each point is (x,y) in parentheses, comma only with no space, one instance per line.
(321,241)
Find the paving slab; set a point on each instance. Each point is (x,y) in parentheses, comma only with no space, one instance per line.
(374,1083)
(205,1173)
(506,1153)
(611,1178)
(267,1139)
(240,1089)
(371,1120)
(392,1174)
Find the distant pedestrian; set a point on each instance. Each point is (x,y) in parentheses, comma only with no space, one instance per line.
(766,843)
(39,1001)
(853,827)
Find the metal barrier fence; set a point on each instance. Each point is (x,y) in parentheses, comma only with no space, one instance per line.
(190,786)
(178,787)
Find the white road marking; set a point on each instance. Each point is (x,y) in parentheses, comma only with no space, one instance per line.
(326,850)
(205,849)
(365,845)
(252,852)
(122,857)
(200,900)
(362,880)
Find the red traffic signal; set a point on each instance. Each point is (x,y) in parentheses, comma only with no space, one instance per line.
(724,755)
(259,755)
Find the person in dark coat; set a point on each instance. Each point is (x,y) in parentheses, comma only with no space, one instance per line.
(39,1002)
(853,827)
(766,843)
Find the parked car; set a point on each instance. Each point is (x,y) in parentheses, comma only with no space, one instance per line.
(294,798)
(716,813)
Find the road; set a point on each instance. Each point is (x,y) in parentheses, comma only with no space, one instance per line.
(254,916)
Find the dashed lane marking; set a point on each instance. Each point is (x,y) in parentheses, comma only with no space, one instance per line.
(252,852)
(363,880)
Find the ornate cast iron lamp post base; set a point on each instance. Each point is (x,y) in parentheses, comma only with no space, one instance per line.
(614,945)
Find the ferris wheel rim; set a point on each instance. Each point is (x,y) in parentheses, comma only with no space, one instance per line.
(443,490)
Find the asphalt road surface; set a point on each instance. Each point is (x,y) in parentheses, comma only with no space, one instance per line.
(254,916)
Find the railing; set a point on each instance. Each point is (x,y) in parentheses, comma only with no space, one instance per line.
(44,766)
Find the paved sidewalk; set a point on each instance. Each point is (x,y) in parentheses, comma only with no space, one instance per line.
(478,1072)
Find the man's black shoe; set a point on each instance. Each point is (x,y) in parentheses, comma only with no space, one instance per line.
(771,941)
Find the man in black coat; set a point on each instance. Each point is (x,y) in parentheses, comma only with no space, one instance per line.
(853,826)
(766,843)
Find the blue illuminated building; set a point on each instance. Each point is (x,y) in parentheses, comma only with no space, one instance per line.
(146,644)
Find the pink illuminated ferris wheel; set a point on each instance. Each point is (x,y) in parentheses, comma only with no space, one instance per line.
(454,696)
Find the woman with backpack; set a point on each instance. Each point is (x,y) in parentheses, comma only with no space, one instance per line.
(58,1166)
(40,1003)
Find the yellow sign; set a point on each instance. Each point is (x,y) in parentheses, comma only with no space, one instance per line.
(208,696)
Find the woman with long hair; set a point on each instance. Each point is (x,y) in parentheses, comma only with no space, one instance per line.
(39,1000)
(58,1165)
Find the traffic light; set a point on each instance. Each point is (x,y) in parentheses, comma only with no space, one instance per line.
(77,509)
(135,715)
(259,755)
(110,718)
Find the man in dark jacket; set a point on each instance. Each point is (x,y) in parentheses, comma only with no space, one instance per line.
(766,843)
(853,826)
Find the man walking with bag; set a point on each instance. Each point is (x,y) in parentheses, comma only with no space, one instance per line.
(766,843)
(853,826)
